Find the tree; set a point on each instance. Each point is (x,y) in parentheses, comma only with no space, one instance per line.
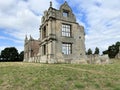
(96,50)
(9,54)
(117,45)
(112,50)
(21,56)
(89,52)
(105,52)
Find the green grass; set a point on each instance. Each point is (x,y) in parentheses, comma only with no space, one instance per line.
(36,76)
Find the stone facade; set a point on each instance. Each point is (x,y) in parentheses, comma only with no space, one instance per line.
(62,39)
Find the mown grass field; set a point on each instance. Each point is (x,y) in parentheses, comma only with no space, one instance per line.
(36,76)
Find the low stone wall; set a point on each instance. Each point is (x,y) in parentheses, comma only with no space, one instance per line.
(97,59)
(90,59)
(117,56)
(32,59)
(38,60)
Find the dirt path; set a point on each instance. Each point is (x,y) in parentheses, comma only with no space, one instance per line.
(90,71)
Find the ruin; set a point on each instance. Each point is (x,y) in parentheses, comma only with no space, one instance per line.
(62,39)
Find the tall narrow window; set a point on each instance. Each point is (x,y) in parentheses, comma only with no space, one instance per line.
(67,48)
(44,32)
(44,49)
(66,30)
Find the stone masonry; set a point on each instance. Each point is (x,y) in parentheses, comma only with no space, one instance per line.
(62,39)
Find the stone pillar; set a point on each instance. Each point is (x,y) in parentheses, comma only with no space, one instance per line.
(50,26)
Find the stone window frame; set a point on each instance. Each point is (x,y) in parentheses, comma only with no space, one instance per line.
(66,48)
(66,30)
(44,32)
(44,49)
(65,14)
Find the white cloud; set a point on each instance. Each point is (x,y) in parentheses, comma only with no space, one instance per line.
(103,19)
(20,17)
(39,6)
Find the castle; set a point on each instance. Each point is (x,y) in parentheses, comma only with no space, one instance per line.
(62,39)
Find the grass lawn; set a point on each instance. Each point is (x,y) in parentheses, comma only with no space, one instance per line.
(36,76)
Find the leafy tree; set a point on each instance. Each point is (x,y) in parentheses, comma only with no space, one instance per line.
(21,56)
(117,45)
(112,50)
(105,52)
(96,50)
(89,51)
(9,54)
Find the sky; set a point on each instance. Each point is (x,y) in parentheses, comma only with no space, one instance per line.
(100,18)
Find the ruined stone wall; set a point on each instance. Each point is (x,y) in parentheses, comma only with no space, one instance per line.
(98,59)
(77,39)
(117,56)
(31,49)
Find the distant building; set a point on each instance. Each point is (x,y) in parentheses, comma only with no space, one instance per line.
(62,39)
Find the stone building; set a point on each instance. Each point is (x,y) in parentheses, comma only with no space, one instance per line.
(31,48)
(62,39)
